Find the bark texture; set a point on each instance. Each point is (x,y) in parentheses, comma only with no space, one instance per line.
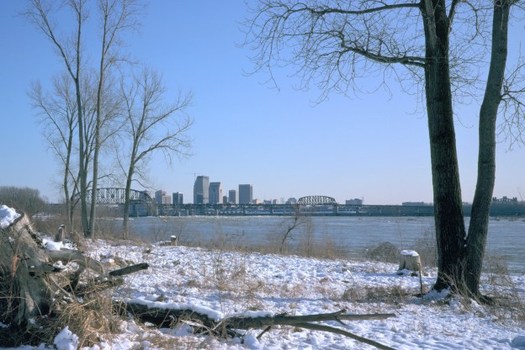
(479,219)
(448,205)
(25,292)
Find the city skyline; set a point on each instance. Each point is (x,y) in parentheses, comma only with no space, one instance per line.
(286,142)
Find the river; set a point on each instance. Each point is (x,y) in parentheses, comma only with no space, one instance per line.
(348,236)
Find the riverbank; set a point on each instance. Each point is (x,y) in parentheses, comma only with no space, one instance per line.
(235,283)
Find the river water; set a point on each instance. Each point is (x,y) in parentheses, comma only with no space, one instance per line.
(348,236)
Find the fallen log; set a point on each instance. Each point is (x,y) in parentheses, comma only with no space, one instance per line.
(202,323)
(129,269)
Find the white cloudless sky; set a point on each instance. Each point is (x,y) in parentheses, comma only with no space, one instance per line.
(279,140)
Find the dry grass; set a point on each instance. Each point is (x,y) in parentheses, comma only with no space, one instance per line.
(384,252)
(88,320)
(379,294)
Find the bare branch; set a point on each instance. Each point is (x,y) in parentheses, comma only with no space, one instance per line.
(512,126)
(334,43)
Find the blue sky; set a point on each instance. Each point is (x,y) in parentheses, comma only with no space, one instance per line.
(279,140)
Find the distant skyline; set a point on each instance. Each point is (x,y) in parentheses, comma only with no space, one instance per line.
(281,141)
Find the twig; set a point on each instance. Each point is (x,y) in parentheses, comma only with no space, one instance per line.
(319,327)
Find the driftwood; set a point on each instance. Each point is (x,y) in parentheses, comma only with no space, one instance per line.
(31,282)
(170,317)
(129,269)
(23,265)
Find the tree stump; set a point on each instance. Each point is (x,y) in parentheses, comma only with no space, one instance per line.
(24,292)
(410,262)
(29,282)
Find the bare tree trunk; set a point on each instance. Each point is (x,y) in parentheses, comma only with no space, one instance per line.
(448,209)
(478,228)
(127,191)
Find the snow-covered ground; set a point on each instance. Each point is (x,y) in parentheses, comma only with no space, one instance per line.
(232,283)
(226,283)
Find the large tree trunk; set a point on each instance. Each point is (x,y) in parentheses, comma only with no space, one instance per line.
(23,265)
(448,209)
(478,228)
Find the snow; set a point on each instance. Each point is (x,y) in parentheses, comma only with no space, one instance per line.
(51,245)
(7,216)
(409,253)
(66,340)
(222,284)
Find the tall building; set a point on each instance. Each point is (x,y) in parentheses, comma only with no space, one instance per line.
(161,197)
(232,196)
(178,198)
(245,194)
(215,192)
(201,190)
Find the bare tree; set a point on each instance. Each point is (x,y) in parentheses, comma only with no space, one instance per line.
(69,50)
(92,109)
(59,119)
(25,198)
(438,44)
(150,125)
(117,17)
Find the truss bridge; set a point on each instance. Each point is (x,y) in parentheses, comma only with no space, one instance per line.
(316,200)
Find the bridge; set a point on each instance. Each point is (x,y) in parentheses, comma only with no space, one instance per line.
(112,195)
(316,200)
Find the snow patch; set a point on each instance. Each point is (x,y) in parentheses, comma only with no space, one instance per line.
(409,253)
(66,340)
(7,216)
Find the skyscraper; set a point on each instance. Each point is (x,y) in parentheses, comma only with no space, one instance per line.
(232,196)
(245,194)
(161,197)
(201,190)
(178,198)
(215,192)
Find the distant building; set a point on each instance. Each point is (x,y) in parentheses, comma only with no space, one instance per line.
(201,190)
(215,192)
(178,198)
(505,199)
(354,201)
(291,200)
(245,194)
(224,199)
(232,196)
(415,204)
(161,197)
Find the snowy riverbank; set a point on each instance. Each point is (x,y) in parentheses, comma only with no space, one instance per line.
(230,283)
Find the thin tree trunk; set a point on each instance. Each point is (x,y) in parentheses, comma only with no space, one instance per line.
(127,191)
(478,228)
(448,209)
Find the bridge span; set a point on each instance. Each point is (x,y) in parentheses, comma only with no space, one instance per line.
(321,210)
(291,210)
